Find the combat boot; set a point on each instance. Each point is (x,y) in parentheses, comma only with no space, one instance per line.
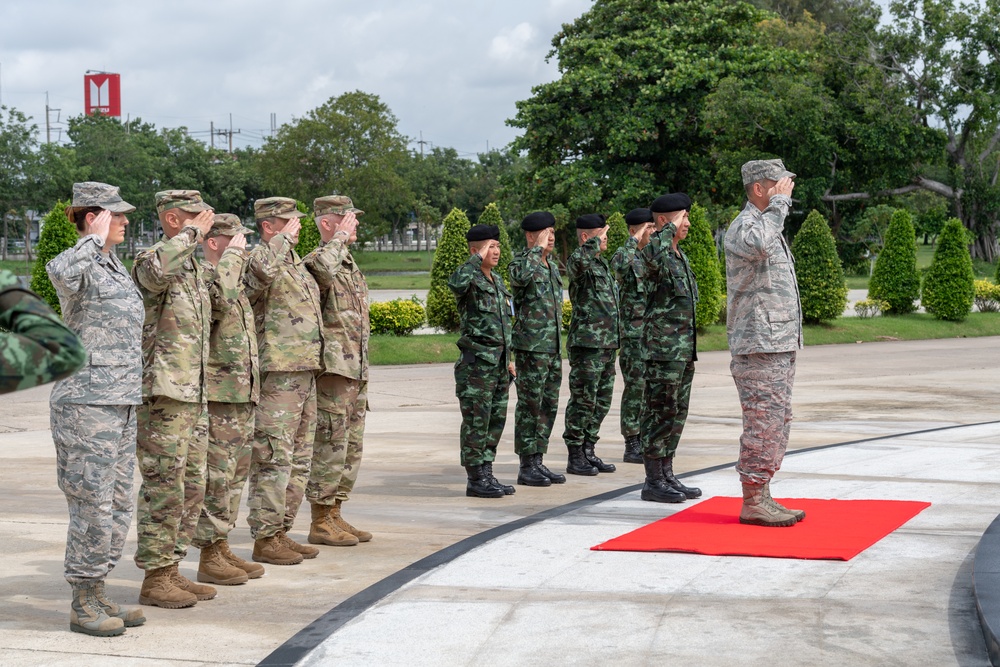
(578,463)
(253,570)
(88,617)
(479,486)
(305,551)
(757,511)
(507,489)
(338,520)
(322,530)
(272,550)
(798,514)
(594,460)
(198,590)
(159,590)
(655,489)
(689,492)
(633,449)
(529,474)
(131,616)
(214,568)
(554,477)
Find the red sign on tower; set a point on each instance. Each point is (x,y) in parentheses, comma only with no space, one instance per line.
(102,93)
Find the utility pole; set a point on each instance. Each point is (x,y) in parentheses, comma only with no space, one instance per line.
(48,127)
(421,143)
(274,122)
(211,132)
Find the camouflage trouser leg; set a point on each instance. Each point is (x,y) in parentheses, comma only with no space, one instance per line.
(340,430)
(764,382)
(95,465)
(538,378)
(632,364)
(172,446)
(666,400)
(284,428)
(591,386)
(230,427)
(482,391)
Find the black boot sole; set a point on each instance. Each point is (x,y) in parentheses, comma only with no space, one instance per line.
(631,459)
(473,494)
(656,498)
(524,482)
(588,472)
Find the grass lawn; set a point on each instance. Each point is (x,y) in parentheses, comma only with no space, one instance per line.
(411,260)
(17,266)
(383,281)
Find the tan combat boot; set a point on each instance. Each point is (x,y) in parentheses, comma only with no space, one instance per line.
(305,551)
(214,568)
(757,511)
(798,514)
(159,590)
(323,531)
(87,616)
(131,616)
(253,570)
(273,550)
(199,591)
(338,521)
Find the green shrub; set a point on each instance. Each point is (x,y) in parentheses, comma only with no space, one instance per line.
(309,234)
(451,253)
(895,278)
(491,216)
(866,308)
(567,314)
(399,317)
(58,234)
(822,288)
(987,296)
(617,234)
(699,246)
(949,282)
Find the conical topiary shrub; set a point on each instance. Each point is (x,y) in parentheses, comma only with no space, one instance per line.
(58,234)
(451,253)
(617,234)
(699,246)
(309,237)
(822,288)
(491,216)
(949,284)
(895,279)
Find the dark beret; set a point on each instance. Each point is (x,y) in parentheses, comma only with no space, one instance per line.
(677,201)
(483,233)
(537,221)
(591,221)
(638,216)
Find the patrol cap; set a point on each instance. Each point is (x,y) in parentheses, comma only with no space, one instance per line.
(638,216)
(759,170)
(275,207)
(677,201)
(591,221)
(185,200)
(483,233)
(337,204)
(227,224)
(537,221)
(102,195)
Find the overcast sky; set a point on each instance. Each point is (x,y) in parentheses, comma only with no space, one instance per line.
(451,69)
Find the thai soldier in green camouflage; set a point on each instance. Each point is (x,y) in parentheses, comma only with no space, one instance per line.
(342,389)
(632,290)
(764,326)
(484,371)
(538,290)
(232,384)
(173,418)
(669,337)
(593,339)
(93,412)
(286,304)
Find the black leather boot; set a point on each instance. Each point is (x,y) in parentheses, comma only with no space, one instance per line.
(633,450)
(507,489)
(578,463)
(554,477)
(656,489)
(479,485)
(529,474)
(594,460)
(668,477)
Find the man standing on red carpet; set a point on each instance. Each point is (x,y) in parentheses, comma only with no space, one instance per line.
(764,327)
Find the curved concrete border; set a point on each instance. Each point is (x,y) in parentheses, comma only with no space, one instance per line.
(986,588)
(297,647)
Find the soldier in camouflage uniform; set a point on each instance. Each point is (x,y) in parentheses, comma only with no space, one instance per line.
(593,339)
(342,389)
(764,326)
(173,417)
(484,371)
(93,413)
(631,306)
(538,297)
(232,384)
(286,306)
(670,339)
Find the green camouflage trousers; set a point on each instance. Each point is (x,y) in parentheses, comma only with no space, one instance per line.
(482,389)
(666,401)
(632,363)
(340,430)
(538,378)
(764,382)
(591,386)
(230,428)
(172,448)
(284,429)
(95,464)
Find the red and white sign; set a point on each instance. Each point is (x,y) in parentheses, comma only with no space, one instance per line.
(102,93)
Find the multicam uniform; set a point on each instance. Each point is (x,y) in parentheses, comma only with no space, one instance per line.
(632,291)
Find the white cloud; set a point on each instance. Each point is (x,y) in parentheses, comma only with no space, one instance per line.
(513,44)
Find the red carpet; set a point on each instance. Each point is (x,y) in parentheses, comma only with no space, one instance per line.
(832,529)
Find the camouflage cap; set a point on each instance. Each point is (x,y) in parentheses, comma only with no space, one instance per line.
(759,170)
(227,224)
(275,207)
(337,204)
(185,200)
(102,195)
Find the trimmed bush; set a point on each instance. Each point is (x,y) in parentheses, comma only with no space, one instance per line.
(617,234)
(699,246)
(820,275)
(309,234)
(451,253)
(987,296)
(491,216)
(399,317)
(58,234)
(895,278)
(949,282)
(866,308)
(567,314)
